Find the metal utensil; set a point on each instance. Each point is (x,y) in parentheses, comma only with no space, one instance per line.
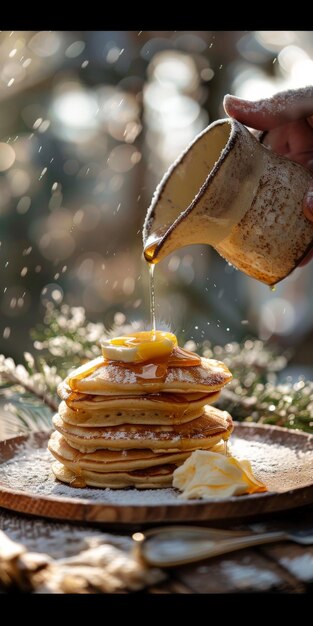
(175,545)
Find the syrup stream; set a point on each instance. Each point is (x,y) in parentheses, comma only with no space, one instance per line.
(152,299)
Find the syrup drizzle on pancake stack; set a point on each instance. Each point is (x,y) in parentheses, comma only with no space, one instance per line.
(131,416)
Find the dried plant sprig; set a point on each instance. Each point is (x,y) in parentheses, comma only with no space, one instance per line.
(66,339)
(254,393)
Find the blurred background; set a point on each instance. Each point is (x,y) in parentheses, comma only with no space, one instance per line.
(89,122)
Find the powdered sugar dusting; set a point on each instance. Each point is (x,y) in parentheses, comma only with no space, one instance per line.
(30,471)
(282,466)
(111,372)
(247,576)
(300,566)
(211,373)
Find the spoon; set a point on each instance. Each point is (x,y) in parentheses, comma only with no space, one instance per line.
(175,545)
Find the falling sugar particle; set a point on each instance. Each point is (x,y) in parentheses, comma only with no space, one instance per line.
(27,251)
(64,268)
(38,269)
(54,186)
(56,276)
(12,53)
(6,264)
(37,123)
(244,322)
(228,329)
(7,332)
(11,81)
(4,289)
(44,126)
(85,63)
(24,271)
(43,173)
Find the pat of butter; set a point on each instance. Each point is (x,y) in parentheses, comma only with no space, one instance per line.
(211,475)
(139,347)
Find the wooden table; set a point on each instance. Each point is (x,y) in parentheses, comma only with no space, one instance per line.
(282,567)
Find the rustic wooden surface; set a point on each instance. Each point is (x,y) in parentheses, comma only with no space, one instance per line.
(288,489)
(282,567)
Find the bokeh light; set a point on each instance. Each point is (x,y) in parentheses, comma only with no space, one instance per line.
(90,122)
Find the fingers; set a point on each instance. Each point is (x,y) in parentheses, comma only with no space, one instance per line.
(308,203)
(268,113)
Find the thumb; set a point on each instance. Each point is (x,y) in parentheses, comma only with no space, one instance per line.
(285,106)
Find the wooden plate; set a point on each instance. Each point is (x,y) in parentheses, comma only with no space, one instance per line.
(282,458)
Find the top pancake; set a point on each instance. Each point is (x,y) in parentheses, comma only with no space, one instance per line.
(113,378)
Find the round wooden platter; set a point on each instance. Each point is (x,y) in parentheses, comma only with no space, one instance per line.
(282,458)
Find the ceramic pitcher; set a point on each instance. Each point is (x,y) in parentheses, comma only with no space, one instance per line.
(230,191)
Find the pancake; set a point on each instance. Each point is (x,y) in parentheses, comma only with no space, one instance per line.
(106,461)
(202,432)
(114,378)
(131,416)
(120,416)
(153,478)
(140,411)
(163,405)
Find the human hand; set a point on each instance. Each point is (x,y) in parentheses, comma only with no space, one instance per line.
(287,119)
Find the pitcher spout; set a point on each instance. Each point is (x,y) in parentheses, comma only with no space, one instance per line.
(195,201)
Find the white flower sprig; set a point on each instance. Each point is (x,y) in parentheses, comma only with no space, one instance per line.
(67,339)
(41,384)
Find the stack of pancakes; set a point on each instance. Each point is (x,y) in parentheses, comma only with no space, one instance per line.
(115,429)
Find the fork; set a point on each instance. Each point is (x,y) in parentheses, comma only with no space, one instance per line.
(175,545)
